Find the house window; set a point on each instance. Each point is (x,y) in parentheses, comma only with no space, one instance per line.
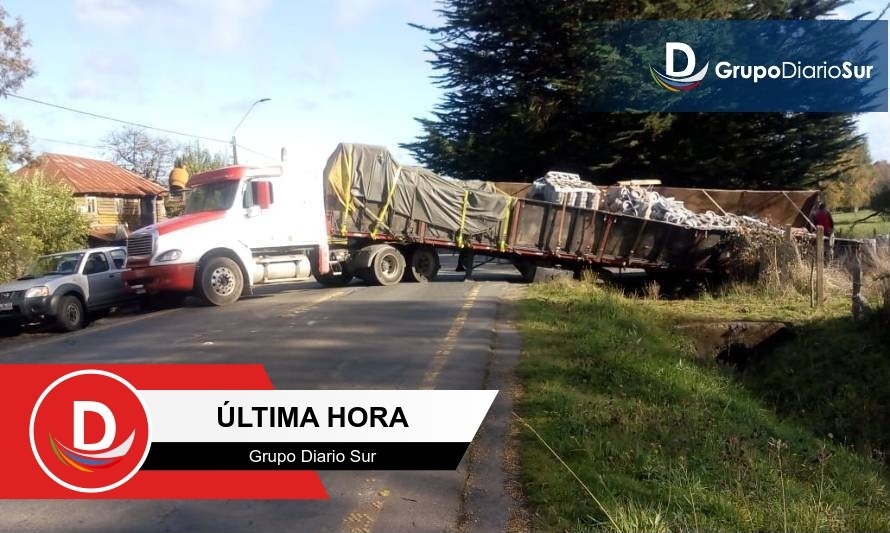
(118,205)
(91,204)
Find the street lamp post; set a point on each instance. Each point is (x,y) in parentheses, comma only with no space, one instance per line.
(234,142)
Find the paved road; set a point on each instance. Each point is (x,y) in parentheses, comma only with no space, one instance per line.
(446,334)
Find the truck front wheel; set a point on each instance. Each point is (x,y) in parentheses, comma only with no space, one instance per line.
(221,281)
(388,267)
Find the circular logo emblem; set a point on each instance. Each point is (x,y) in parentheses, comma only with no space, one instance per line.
(90,431)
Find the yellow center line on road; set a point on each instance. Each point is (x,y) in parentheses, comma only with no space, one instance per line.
(429,379)
(363,518)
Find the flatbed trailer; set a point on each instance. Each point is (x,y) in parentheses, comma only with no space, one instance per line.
(373,205)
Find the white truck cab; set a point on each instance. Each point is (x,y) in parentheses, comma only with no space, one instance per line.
(242,226)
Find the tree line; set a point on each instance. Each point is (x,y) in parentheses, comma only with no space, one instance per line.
(39,217)
(35,217)
(518,77)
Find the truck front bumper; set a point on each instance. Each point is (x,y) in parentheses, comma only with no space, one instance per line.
(24,310)
(161,278)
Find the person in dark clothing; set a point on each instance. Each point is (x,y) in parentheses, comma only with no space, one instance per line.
(822,217)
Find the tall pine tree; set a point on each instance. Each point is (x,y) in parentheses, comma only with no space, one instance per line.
(517,76)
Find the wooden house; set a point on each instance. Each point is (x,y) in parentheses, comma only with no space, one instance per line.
(115,200)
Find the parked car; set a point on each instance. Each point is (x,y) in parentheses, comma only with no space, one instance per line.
(65,288)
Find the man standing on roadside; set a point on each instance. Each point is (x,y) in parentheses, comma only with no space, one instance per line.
(822,217)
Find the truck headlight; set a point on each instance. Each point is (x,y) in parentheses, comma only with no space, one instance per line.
(169,255)
(37,292)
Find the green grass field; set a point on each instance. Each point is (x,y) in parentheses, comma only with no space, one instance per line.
(665,442)
(874,226)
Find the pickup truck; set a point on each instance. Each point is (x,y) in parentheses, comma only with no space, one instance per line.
(65,288)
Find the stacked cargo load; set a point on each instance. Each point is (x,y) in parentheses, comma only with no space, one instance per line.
(566,188)
(373,194)
(650,204)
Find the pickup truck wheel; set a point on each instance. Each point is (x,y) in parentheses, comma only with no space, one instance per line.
(388,267)
(70,315)
(423,264)
(221,281)
(330,280)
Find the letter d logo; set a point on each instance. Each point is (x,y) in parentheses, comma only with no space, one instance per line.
(90,431)
(678,80)
(670,51)
(80,409)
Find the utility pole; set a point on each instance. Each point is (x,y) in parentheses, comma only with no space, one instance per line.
(234,141)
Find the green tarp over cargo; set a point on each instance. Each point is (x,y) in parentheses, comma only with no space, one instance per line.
(368,191)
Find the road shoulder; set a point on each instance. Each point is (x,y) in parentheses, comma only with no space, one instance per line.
(492,498)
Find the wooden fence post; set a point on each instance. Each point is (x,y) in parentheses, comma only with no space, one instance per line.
(857,285)
(820,265)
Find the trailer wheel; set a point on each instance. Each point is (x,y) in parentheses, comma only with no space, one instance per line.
(221,281)
(388,267)
(423,264)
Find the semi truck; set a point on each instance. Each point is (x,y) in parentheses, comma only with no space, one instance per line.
(374,219)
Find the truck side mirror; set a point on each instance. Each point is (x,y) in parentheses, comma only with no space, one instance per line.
(262,194)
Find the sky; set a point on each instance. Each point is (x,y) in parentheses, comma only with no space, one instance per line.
(334,71)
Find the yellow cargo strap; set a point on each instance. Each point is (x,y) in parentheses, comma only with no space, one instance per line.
(389,195)
(347,202)
(505,223)
(463,220)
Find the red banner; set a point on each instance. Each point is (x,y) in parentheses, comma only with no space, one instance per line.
(38,402)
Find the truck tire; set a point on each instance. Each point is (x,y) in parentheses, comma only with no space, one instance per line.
(221,281)
(70,313)
(423,264)
(330,280)
(388,267)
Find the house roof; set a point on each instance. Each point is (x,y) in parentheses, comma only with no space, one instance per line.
(90,176)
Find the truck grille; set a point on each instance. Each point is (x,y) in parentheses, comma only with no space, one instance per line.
(139,246)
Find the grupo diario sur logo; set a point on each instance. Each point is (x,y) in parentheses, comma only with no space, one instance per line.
(90,431)
(737,66)
(687,79)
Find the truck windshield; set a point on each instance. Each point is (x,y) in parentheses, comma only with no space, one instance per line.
(57,264)
(211,197)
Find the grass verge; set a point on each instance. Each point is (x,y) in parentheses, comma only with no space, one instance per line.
(668,444)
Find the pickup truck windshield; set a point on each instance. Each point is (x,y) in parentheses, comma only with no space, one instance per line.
(57,264)
(211,197)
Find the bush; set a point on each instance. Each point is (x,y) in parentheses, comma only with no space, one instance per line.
(36,217)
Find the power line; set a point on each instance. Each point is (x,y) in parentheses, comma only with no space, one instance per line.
(104,117)
(66,142)
(129,123)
